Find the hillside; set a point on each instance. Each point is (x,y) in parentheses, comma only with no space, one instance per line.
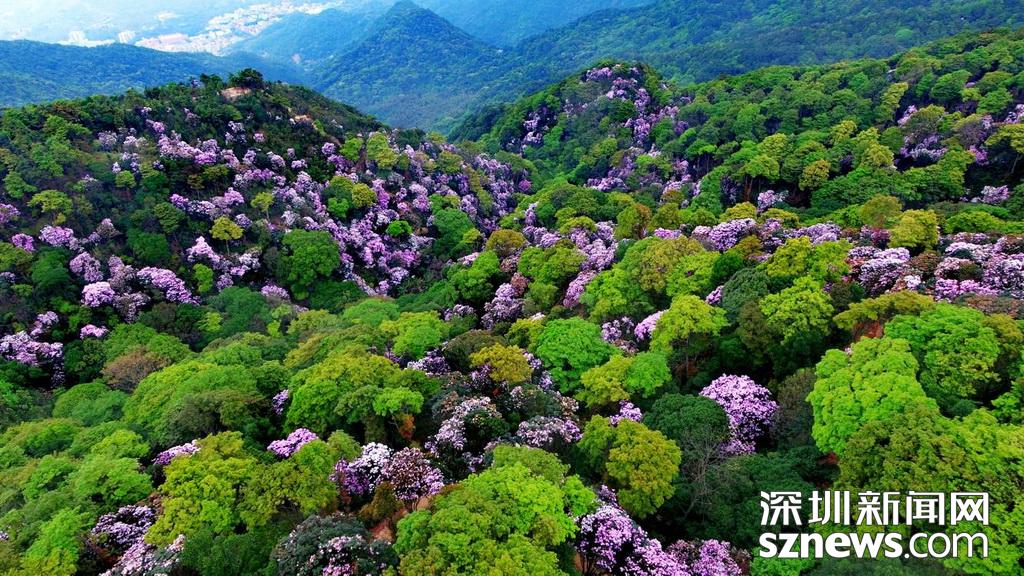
(310,39)
(426,67)
(248,330)
(414,68)
(687,41)
(505,24)
(693,41)
(38,72)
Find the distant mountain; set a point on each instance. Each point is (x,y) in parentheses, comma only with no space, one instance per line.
(504,23)
(697,40)
(310,39)
(414,68)
(693,40)
(37,72)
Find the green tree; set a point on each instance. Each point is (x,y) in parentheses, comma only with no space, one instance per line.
(687,327)
(916,229)
(508,519)
(311,255)
(568,348)
(52,202)
(638,462)
(875,381)
(957,352)
(506,363)
(412,334)
(225,230)
(204,491)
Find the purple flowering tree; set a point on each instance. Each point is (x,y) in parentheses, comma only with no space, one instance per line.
(293,443)
(749,407)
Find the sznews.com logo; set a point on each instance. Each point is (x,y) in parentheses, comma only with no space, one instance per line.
(782,512)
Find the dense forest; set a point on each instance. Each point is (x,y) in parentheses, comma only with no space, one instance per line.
(430,63)
(38,72)
(250,330)
(389,74)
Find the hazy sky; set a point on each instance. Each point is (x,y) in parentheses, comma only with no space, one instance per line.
(53,20)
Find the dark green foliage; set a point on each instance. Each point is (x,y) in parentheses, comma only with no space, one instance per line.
(38,72)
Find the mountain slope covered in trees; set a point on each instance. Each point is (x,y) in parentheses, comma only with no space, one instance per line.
(505,24)
(694,41)
(310,39)
(685,40)
(413,66)
(38,72)
(249,330)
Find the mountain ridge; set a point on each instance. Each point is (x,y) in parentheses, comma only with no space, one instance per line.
(412,63)
(37,71)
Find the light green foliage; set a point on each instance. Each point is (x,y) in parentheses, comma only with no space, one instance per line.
(127,337)
(350,385)
(555,266)
(204,278)
(632,222)
(506,242)
(225,230)
(12,257)
(615,293)
(476,282)
(957,351)
(798,258)
(921,450)
(51,202)
(815,175)
(739,211)
(800,310)
(916,229)
(452,227)
(693,275)
(508,519)
(687,326)
(111,481)
(204,491)
(506,363)
(370,312)
(55,552)
(301,482)
(163,395)
(879,211)
(639,462)
(623,377)
(883,308)
(603,385)
(651,261)
(875,381)
(412,334)
(378,151)
(569,348)
(90,403)
(262,201)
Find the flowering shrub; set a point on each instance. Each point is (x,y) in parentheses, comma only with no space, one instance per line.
(749,406)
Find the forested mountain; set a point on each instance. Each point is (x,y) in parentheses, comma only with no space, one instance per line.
(36,71)
(414,68)
(311,39)
(248,330)
(505,24)
(693,41)
(686,40)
